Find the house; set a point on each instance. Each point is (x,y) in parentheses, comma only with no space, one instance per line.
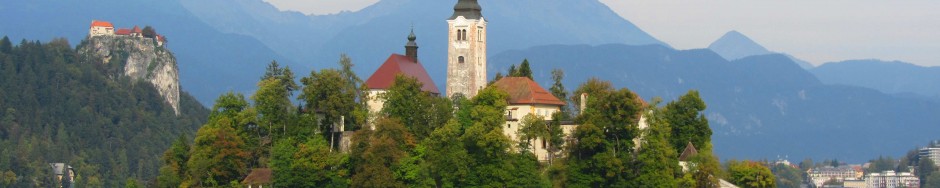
(64,174)
(99,28)
(686,157)
(891,179)
(259,178)
(397,64)
(528,98)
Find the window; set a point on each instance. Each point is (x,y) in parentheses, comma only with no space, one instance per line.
(460,59)
(459,34)
(480,34)
(463,35)
(543,143)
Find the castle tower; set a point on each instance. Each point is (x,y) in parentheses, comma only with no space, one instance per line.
(466,49)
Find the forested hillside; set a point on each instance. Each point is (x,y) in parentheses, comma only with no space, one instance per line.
(59,106)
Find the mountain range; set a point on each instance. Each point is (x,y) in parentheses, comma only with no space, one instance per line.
(735,45)
(758,106)
(761,103)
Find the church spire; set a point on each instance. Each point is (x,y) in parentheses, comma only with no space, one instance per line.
(411,49)
(469,9)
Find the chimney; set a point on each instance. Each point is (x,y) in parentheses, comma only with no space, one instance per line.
(411,49)
(584,97)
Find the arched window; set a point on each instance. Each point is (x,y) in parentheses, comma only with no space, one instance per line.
(464,35)
(460,59)
(459,34)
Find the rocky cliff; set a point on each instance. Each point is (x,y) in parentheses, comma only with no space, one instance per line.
(140,59)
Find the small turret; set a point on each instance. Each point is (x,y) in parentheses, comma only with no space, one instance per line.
(411,49)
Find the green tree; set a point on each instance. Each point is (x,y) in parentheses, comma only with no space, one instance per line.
(308,164)
(787,176)
(273,70)
(218,156)
(750,174)
(558,90)
(604,140)
(173,171)
(512,71)
(932,181)
(491,165)
(149,32)
(447,159)
(5,45)
(381,156)
(7,178)
(324,92)
(524,70)
(687,120)
(407,102)
(926,168)
(532,127)
(657,162)
(273,103)
(132,183)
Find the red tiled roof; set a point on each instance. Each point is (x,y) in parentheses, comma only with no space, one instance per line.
(137,30)
(258,176)
(123,31)
(523,90)
(400,64)
(96,23)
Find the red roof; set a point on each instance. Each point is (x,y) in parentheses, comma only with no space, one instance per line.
(137,30)
(400,64)
(258,176)
(523,90)
(123,31)
(96,23)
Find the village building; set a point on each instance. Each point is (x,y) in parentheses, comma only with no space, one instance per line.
(528,98)
(685,159)
(466,52)
(891,179)
(819,176)
(397,64)
(99,28)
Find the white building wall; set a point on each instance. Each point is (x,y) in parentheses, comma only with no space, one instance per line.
(511,129)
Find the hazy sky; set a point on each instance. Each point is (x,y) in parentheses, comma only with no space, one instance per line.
(813,30)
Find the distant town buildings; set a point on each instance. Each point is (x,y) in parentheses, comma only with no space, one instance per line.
(890,179)
(932,153)
(819,176)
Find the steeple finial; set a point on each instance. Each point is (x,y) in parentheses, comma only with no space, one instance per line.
(412,37)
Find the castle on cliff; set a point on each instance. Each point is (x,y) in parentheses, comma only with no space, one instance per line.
(103,28)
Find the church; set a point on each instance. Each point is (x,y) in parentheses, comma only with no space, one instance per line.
(466,74)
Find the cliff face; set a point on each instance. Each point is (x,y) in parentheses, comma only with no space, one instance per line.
(140,59)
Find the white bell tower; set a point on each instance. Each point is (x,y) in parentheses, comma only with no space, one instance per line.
(466,49)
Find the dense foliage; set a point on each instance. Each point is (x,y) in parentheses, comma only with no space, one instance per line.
(59,106)
(750,174)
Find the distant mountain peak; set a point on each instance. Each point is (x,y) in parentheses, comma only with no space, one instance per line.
(734,45)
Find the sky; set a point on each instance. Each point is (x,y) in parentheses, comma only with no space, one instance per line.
(812,30)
